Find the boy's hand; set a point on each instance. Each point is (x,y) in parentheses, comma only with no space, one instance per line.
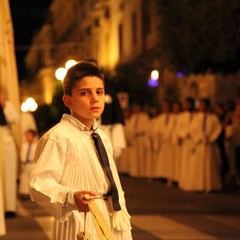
(82,198)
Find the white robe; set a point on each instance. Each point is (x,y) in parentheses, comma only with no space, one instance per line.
(66,161)
(176,148)
(138,125)
(151,147)
(26,167)
(164,165)
(184,134)
(10,157)
(205,158)
(116,134)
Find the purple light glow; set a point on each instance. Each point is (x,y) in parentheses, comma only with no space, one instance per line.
(180,75)
(152,82)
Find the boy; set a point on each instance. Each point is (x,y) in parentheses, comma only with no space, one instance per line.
(68,167)
(27,153)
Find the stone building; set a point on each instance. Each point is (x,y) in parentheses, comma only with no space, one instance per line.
(113,32)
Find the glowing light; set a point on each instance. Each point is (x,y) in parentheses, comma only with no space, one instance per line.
(154,75)
(180,75)
(70,63)
(29,105)
(60,73)
(108,99)
(152,82)
(24,107)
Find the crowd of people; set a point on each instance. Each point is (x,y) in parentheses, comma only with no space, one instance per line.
(191,144)
(194,145)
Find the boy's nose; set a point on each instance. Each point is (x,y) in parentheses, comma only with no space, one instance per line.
(94,98)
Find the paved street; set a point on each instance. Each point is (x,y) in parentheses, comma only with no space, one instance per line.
(158,212)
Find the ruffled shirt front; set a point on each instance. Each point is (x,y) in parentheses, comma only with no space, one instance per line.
(66,162)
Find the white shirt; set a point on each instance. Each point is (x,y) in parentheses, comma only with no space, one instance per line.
(66,162)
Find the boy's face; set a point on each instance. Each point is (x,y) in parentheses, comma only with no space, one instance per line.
(87,100)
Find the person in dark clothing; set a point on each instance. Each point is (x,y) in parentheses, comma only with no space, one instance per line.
(220,111)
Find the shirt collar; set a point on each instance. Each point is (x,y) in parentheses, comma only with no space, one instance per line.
(76,123)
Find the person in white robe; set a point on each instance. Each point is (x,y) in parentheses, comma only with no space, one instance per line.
(164,125)
(138,126)
(68,166)
(184,135)
(151,142)
(27,153)
(205,157)
(10,156)
(176,143)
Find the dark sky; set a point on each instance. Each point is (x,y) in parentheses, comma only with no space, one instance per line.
(27,16)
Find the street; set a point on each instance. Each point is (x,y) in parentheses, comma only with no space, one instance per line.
(158,212)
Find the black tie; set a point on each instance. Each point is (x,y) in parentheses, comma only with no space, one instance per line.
(105,163)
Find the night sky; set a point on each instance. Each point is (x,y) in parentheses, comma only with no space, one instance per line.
(28,16)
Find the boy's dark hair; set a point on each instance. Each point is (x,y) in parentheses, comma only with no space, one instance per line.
(77,72)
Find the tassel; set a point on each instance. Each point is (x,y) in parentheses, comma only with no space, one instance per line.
(121,220)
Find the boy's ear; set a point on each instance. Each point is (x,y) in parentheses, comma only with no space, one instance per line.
(66,100)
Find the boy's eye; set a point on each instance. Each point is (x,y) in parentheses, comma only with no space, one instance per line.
(89,92)
(100,92)
(83,93)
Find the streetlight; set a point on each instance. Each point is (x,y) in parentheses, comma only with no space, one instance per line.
(153,81)
(154,75)
(29,105)
(70,63)
(60,73)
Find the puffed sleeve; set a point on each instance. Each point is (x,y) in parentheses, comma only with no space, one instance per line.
(45,187)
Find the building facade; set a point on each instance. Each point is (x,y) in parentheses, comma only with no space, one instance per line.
(113,32)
